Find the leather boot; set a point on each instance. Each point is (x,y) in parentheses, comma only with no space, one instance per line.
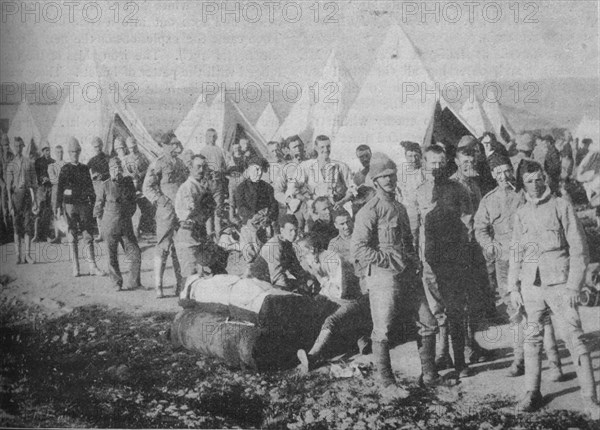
(94,270)
(177,269)
(74,257)
(532,400)
(585,374)
(429,376)
(442,358)
(383,364)
(457,336)
(517,368)
(160,261)
(555,370)
(19,246)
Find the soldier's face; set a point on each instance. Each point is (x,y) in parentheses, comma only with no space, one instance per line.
(97,149)
(289,232)
(116,171)
(323,148)
(435,163)
(174,148)
(254,172)
(344,225)
(323,211)
(413,158)
(236,149)
(296,150)
(121,152)
(74,155)
(198,168)
(58,153)
(46,152)
(388,183)
(211,137)
(364,157)
(466,164)
(19,147)
(274,152)
(243,145)
(535,184)
(504,175)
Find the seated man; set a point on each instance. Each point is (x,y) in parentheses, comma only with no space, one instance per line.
(347,309)
(342,243)
(323,227)
(278,262)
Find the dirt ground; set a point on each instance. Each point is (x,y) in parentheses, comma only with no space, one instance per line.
(49,286)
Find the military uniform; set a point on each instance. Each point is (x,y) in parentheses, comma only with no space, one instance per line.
(136,165)
(194,205)
(115,205)
(383,247)
(162,181)
(445,212)
(552,258)
(20,180)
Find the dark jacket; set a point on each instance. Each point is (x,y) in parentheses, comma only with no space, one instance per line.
(250,197)
(75,185)
(325,231)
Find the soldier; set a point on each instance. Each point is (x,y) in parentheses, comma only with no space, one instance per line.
(383,245)
(136,166)
(493,224)
(444,213)
(480,293)
(21,184)
(217,166)
(44,193)
(411,177)
(76,191)
(547,273)
(98,166)
(120,149)
(194,205)
(53,174)
(115,205)
(6,156)
(524,148)
(160,187)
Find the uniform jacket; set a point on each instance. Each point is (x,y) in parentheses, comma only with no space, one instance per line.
(408,182)
(20,173)
(494,220)
(445,213)
(54,171)
(75,185)
(136,166)
(549,238)
(249,198)
(116,200)
(194,202)
(332,181)
(41,170)
(382,236)
(98,166)
(164,177)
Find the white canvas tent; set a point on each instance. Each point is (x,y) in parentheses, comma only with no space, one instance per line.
(298,120)
(226,117)
(98,115)
(501,127)
(23,125)
(472,112)
(336,87)
(385,113)
(268,122)
(588,128)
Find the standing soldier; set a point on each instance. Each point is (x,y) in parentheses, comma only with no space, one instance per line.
(217,166)
(164,177)
(194,205)
(547,273)
(6,156)
(53,174)
(44,193)
(136,166)
(383,245)
(115,204)
(21,184)
(493,226)
(98,166)
(444,213)
(76,191)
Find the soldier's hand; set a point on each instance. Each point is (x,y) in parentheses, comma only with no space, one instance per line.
(571,297)
(516,299)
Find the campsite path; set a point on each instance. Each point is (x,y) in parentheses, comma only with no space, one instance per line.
(50,285)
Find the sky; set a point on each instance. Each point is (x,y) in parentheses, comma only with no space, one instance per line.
(185,44)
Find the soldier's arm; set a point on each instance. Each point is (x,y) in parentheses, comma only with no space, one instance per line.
(466,209)
(578,246)
(515,255)
(88,188)
(131,198)
(364,228)
(100,202)
(482,226)
(151,188)
(271,253)
(407,237)
(184,203)
(62,179)
(273,205)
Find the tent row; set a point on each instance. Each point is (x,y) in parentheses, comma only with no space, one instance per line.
(379,114)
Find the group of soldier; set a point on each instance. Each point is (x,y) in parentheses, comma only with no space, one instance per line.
(433,238)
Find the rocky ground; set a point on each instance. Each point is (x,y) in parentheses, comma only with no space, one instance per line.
(76,353)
